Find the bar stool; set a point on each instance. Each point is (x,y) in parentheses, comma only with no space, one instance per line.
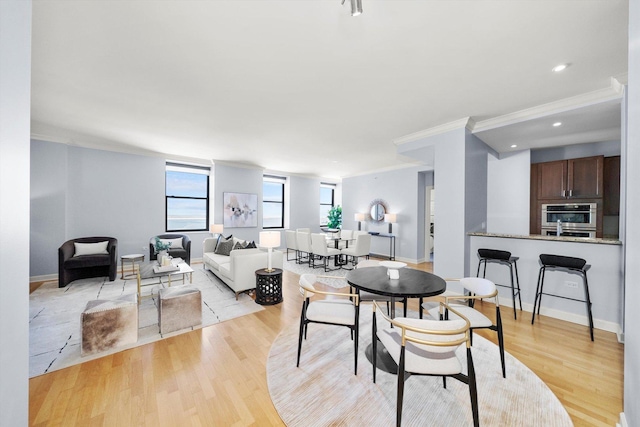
(570,265)
(503,258)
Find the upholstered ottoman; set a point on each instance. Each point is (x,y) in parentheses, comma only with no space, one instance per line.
(180,307)
(107,324)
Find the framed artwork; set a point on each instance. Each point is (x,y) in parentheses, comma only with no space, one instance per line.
(240,210)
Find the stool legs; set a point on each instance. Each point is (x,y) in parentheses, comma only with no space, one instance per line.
(588,298)
(515,286)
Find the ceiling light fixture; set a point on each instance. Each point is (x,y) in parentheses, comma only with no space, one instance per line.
(356,7)
(556,124)
(513,146)
(559,68)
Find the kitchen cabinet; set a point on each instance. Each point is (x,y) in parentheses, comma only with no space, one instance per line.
(611,194)
(571,179)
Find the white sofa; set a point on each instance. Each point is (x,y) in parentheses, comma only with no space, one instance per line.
(238,270)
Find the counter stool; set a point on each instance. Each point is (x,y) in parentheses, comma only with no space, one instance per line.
(570,265)
(503,258)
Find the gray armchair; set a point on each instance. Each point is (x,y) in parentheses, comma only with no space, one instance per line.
(72,267)
(184,252)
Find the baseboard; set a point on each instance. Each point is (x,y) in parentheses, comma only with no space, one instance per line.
(623,421)
(43,278)
(401,259)
(604,325)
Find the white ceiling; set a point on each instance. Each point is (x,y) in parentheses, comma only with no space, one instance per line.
(303,87)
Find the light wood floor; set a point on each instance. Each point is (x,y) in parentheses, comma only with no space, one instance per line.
(216,376)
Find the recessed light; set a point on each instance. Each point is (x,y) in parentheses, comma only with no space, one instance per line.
(556,124)
(559,68)
(514,146)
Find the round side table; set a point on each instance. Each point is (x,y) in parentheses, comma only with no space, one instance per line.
(133,258)
(269,286)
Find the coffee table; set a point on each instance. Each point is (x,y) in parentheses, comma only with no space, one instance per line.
(146,271)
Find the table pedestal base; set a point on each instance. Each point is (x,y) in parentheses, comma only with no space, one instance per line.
(384,360)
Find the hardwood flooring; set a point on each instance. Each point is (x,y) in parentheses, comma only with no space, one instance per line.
(216,376)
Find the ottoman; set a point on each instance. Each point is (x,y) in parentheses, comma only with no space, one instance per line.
(179,307)
(107,324)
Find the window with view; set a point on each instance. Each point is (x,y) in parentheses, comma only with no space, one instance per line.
(327,199)
(273,201)
(186,197)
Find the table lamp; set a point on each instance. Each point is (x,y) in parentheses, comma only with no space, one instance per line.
(216,229)
(269,240)
(391,219)
(359,217)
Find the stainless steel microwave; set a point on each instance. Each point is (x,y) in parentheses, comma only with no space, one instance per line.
(572,216)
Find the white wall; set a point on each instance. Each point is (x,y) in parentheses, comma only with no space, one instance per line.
(304,206)
(508,188)
(400,190)
(632,234)
(475,188)
(15,90)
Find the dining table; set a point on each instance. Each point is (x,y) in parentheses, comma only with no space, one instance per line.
(411,283)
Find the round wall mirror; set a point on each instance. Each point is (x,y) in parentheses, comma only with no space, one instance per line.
(377,209)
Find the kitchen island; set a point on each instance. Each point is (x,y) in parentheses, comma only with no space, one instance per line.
(605,276)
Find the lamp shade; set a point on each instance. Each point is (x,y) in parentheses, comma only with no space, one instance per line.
(391,218)
(269,239)
(359,217)
(217,228)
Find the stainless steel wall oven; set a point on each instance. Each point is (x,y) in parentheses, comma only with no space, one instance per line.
(576,219)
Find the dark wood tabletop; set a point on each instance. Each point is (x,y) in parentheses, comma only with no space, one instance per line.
(411,284)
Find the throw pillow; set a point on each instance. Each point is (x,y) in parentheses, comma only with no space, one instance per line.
(174,243)
(251,245)
(98,248)
(221,238)
(224,248)
(239,245)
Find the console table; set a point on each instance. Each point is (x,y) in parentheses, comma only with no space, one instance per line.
(392,243)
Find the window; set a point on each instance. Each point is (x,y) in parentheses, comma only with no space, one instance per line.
(327,200)
(273,201)
(186,197)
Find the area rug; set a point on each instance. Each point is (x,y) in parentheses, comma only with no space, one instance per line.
(54,315)
(335,279)
(323,391)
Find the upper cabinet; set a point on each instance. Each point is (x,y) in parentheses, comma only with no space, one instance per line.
(571,179)
(612,185)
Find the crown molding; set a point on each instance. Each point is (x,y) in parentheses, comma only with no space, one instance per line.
(613,93)
(466,122)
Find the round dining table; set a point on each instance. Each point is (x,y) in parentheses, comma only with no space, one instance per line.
(411,284)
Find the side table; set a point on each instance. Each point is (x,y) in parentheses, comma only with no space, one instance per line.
(269,286)
(133,258)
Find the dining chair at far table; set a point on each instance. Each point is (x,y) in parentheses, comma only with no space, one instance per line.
(361,248)
(426,347)
(321,252)
(476,288)
(342,311)
(291,240)
(304,247)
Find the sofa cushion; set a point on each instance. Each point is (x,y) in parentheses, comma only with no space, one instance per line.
(251,245)
(98,248)
(87,261)
(178,253)
(240,245)
(224,248)
(225,270)
(215,260)
(221,238)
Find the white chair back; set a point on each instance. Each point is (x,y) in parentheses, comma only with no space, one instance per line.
(346,234)
(304,241)
(291,239)
(306,284)
(478,285)
(319,244)
(363,245)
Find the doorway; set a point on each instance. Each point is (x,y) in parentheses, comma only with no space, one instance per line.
(429,222)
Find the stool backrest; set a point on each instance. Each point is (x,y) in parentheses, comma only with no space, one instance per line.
(494,254)
(562,261)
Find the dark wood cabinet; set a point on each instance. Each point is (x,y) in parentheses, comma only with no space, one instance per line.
(571,179)
(611,205)
(535,206)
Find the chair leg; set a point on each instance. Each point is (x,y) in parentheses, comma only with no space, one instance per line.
(302,330)
(500,341)
(355,350)
(374,346)
(473,390)
(401,374)
(588,299)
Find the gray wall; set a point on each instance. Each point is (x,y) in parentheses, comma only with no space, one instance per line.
(508,188)
(400,189)
(15,86)
(606,148)
(632,233)
(475,187)
(304,209)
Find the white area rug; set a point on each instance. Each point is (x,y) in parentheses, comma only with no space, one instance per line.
(323,391)
(301,269)
(54,315)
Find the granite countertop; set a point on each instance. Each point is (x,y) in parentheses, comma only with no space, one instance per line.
(553,238)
